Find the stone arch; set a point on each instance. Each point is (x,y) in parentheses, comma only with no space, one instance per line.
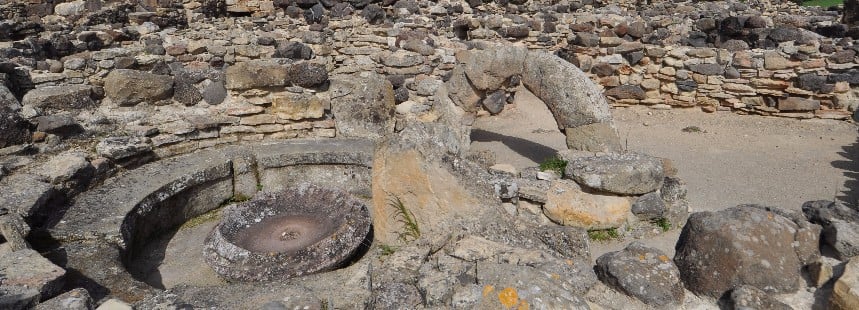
(577,104)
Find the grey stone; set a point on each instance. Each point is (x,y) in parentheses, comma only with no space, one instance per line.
(363,106)
(26,194)
(64,167)
(843,56)
(823,212)
(18,297)
(798,104)
(784,34)
(810,81)
(550,77)
(626,92)
(396,295)
(307,75)
(843,237)
(489,69)
(713,257)
(123,147)
(750,297)
(586,39)
(66,97)
(214,92)
(596,137)
(58,124)
(15,129)
(293,50)
(602,69)
(627,173)
(461,91)
(649,206)
(686,85)
(567,242)
(673,193)
(735,45)
(708,69)
(29,269)
(642,272)
(76,299)
(129,87)
(495,101)
(256,74)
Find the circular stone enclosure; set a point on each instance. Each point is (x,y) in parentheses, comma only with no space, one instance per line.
(288,233)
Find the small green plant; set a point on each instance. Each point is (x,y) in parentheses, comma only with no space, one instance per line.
(411,231)
(554,163)
(259,187)
(603,234)
(202,218)
(387,249)
(662,223)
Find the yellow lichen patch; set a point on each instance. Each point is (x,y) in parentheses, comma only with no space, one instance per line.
(488,289)
(770,215)
(523,305)
(508,297)
(664,258)
(556,276)
(569,262)
(641,257)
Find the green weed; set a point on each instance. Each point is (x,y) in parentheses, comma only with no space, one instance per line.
(554,163)
(662,223)
(603,234)
(387,249)
(411,231)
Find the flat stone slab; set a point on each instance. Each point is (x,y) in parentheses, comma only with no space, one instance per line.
(619,173)
(28,269)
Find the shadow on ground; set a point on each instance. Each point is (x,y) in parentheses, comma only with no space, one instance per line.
(849,192)
(536,152)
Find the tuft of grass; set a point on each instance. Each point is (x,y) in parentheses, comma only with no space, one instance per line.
(387,249)
(693,129)
(239,197)
(603,234)
(662,223)
(554,163)
(259,187)
(411,231)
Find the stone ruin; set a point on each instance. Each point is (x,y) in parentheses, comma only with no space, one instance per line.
(131,128)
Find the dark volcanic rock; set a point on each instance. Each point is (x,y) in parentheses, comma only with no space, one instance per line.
(642,272)
(811,81)
(840,225)
(626,92)
(495,101)
(14,129)
(307,75)
(293,50)
(374,14)
(713,257)
(750,297)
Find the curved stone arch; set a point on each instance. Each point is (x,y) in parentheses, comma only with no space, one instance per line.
(578,106)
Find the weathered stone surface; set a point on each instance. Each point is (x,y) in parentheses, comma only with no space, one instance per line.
(461,91)
(798,104)
(626,92)
(29,269)
(297,106)
(329,226)
(129,87)
(708,69)
(14,128)
(713,258)
(550,77)
(307,75)
(488,69)
(256,74)
(495,101)
(26,194)
(363,106)
(123,147)
(58,124)
(18,298)
(66,97)
(642,272)
(626,173)
(293,50)
(567,204)
(567,242)
(64,167)
(649,206)
(774,61)
(840,225)
(596,137)
(76,299)
(750,297)
(845,292)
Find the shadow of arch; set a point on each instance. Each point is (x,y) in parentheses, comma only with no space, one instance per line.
(849,194)
(534,151)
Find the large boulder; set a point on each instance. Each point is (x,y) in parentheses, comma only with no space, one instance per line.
(65,97)
(363,106)
(129,87)
(26,268)
(642,272)
(568,204)
(845,292)
(619,173)
(840,225)
(256,74)
(750,297)
(489,69)
(747,244)
(28,195)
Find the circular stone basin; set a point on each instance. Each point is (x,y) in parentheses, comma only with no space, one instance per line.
(294,232)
